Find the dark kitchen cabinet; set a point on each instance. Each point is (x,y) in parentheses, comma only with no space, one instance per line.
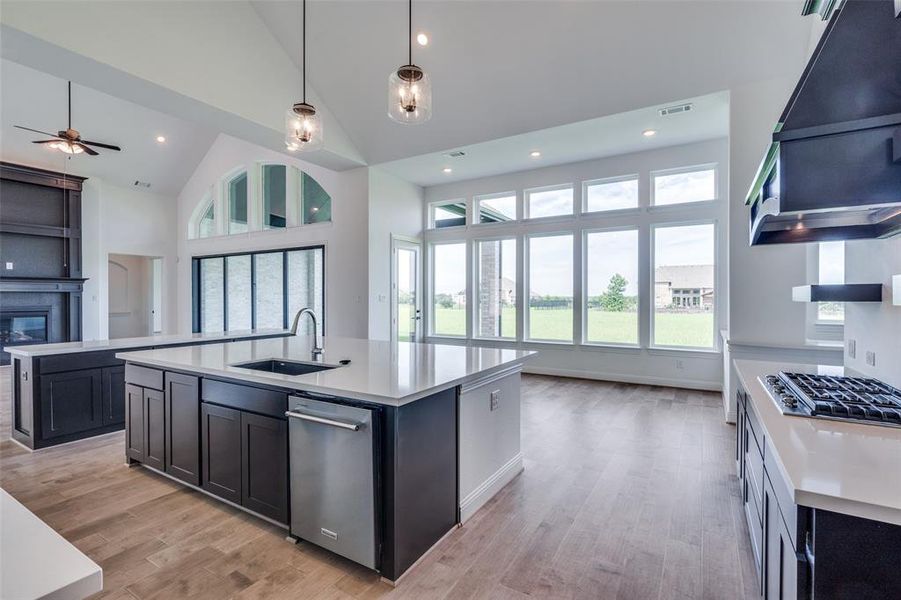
(71,402)
(264,465)
(154,429)
(134,422)
(781,563)
(183,427)
(221,451)
(113,395)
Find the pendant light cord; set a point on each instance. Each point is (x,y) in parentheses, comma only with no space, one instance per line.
(304,44)
(409,33)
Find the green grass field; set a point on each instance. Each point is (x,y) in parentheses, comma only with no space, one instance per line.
(671,329)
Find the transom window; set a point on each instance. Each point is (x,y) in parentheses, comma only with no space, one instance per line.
(551,201)
(496,208)
(681,186)
(450,213)
(611,194)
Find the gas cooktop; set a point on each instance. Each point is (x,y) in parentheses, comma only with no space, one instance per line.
(833,397)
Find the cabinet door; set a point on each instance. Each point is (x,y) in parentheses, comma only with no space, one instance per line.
(264,465)
(221,451)
(71,402)
(154,429)
(183,427)
(113,395)
(134,422)
(781,564)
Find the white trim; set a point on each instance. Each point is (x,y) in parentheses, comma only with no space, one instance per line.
(689,384)
(489,488)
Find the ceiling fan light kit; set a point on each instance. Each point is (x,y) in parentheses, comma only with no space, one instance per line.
(409,87)
(303,125)
(69,140)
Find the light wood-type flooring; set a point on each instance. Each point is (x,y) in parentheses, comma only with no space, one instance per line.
(629,492)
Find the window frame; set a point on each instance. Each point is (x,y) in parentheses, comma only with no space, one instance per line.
(652,262)
(430,289)
(477,199)
(196,275)
(526,286)
(526,202)
(430,216)
(584,341)
(612,211)
(476,303)
(714,166)
(291,191)
(226,197)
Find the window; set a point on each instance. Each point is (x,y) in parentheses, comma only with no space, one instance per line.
(684,185)
(206,227)
(550,289)
(496,279)
(212,294)
(275,206)
(447,214)
(249,291)
(550,201)
(684,280)
(611,194)
(237,204)
(496,208)
(316,203)
(831,269)
(239,311)
(449,289)
(611,287)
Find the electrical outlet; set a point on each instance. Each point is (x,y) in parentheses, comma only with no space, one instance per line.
(9,266)
(852,349)
(680,364)
(871,358)
(495,399)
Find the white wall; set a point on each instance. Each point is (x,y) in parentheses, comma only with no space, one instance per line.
(874,327)
(118,220)
(684,368)
(395,208)
(129,298)
(345,238)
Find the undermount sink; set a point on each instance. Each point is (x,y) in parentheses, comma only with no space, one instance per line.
(284,367)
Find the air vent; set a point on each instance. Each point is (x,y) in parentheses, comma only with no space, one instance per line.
(675,110)
(141,184)
(455,154)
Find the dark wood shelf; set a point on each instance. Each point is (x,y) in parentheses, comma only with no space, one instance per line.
(848,292)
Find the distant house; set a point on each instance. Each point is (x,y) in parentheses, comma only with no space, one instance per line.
(684,286)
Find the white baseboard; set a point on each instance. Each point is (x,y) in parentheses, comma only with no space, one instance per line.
(491,486)
(691,384)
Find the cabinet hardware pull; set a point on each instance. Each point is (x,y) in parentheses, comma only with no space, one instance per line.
(323,420)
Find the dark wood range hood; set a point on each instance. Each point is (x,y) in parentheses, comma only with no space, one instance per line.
(833,170)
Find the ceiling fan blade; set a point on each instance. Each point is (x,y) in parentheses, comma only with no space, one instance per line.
(99,145)
(53,135)
(86,149)
(45,142)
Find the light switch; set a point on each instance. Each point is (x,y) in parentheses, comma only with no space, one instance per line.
(852,349)
(871,358)
(495,399)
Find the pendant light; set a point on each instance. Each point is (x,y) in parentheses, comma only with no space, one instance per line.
(409,88)
(303,125)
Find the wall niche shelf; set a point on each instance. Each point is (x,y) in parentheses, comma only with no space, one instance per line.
(848,292)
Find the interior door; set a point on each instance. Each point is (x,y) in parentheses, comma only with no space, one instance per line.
(406,308)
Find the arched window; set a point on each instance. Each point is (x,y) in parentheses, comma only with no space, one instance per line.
(236,194)
(316,204)
(275,196)
(203,220)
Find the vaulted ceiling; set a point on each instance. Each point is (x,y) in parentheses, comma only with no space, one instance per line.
(501,68)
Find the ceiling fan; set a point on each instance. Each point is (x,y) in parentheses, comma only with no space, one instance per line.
(69,140)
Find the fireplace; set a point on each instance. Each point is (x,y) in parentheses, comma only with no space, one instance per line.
(21,327)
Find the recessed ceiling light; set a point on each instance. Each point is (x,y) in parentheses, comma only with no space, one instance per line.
(447,170)
(161,139)
(649,132)
(534,153)
(422,39)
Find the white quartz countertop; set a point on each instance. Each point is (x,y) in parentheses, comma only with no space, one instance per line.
(379,371)
(37,562)
(851,468)
(137,342)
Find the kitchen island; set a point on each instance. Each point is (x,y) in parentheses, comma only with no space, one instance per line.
(822,498)
(391,445)
(74,390)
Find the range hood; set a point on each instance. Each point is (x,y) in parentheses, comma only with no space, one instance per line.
(833,170)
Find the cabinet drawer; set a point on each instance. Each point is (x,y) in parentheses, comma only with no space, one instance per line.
(245,397)
(78,361)
(144,377)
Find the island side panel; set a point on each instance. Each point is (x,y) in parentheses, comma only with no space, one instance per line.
(420,479)
(490,451)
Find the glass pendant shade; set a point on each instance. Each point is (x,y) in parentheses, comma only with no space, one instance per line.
(303,128)
(409,95)
(66,147)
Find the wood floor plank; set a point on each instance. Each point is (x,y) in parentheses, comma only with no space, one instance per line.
(629,492)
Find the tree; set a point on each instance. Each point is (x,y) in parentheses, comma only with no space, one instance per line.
(614,299)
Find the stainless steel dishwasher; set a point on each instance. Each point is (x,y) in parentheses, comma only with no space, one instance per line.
(333,477)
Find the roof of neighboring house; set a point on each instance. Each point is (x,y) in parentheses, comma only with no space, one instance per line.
(685,276)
